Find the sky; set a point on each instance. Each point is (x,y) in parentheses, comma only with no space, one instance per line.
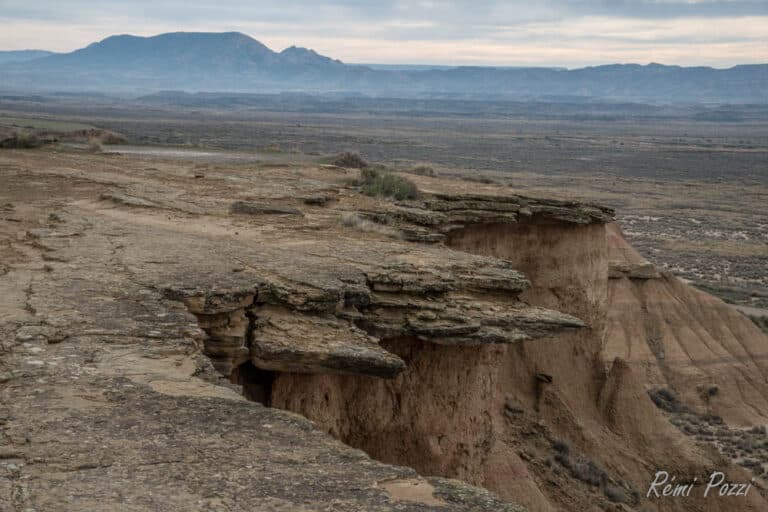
(569,33)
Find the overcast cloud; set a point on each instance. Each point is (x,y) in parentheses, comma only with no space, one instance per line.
(573,33)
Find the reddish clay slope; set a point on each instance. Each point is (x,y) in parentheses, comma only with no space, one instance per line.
(678,337)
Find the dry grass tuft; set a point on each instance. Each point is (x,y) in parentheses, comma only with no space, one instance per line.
(356,221)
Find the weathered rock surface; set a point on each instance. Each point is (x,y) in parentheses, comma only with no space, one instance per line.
(130,293)
(429,220)
(251,208)
(285,341)
(363,291)
(113,288)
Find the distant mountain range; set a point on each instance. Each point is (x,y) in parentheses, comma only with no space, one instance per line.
(238,63)
(22,55)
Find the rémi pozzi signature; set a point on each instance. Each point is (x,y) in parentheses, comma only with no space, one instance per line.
(665,486)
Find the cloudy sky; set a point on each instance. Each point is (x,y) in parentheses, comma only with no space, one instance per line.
(568,33)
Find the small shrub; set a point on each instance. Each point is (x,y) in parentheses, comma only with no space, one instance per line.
(615,494)
(561,447)
(378,183)
(369,175)
(564,460)
(713,419)
(423,170)
(708,391)
(112,138)
(666,400)
(350,160)
(588,471)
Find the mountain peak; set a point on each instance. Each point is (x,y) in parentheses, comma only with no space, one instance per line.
(307,56)
(209,39)
(185,58)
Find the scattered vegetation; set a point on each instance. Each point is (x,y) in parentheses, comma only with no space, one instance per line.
(589,472)
(43,124)
(666,400)
(561,447)
(732,294)
(317,200)
(30,137)
(706,392)
(21,141)
(745,447)
(271,148)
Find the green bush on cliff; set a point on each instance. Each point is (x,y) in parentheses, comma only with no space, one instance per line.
(378,183)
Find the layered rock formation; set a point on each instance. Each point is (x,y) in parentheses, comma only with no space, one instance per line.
(474,337)
(431,220)
(293,327)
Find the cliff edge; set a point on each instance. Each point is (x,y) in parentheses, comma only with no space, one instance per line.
(181,338)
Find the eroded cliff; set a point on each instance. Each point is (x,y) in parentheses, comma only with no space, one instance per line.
(502,340)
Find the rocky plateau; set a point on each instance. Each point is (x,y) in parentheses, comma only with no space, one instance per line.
(176,336)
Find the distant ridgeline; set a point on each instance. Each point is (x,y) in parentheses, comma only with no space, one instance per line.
(235,62)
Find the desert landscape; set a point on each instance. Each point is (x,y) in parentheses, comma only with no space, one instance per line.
(524,274)
(688,192)
(506,303)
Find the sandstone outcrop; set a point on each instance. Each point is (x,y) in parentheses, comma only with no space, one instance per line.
(285,325)
(430,219)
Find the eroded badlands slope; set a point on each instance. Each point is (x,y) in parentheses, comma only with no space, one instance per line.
(466,335)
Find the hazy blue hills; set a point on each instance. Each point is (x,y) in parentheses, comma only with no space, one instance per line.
(235,62)
(192,61)
(22,55)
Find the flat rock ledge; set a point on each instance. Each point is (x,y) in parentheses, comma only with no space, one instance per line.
(336,325)
(430,219)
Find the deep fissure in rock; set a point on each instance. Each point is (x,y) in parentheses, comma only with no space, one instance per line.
(256,383)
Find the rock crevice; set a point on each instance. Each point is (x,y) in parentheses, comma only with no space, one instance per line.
(274,329)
